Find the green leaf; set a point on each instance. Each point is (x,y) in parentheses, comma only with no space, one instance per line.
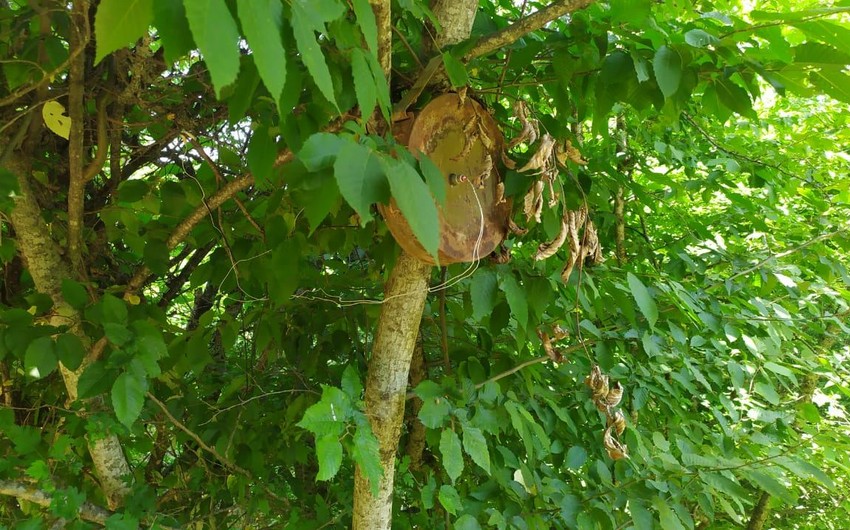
(262,151)
(833,83)
(667,66)
(475,446)
(366,453)
(304,27)
(452,456)
(169,17)
(261,23)
(455,70)
(483,293)
(644,300)
(450,499)
(434,177)
(320,150)
(361,179)
(40,358)
(576,457)
(641,517)
(114,309)
(467,522)
(117,334)
(767,391)
(364,83)
(516,298)
(128,397)
(285,269)
(699,38)
(217,37)
(329,453)
(771,485)
(434,412)
(119,23)
(329,416)
(366,23)
(70,350)
(669,520)
(734,97)
(75,294)
(415,202)
(350,383)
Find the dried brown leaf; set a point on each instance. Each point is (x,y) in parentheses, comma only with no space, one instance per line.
(618,421)
(615,449)
(515,228)
(533,202)
(547,250)
(540,159)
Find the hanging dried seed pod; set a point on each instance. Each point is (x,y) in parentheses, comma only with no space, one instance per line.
(540,158)
(618,421)
(533,202)
(547,250)
(614,396)
(615,449)
(515,228)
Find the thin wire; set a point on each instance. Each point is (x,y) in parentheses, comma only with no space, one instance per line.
(469,271)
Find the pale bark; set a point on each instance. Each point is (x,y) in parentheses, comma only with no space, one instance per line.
(45,265)
(386,384)
(760,512)
(456,18)
(24,492)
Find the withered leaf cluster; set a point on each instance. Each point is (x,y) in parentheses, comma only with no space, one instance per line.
(558,333)
(576,230)
(606,397)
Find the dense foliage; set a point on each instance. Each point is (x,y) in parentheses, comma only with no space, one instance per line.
(190,247)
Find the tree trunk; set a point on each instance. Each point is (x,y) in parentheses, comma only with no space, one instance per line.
(47,269)
(386,384)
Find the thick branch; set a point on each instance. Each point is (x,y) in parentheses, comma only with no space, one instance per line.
(760,512)
(526,25)
(381,9)
(88,511)
(76,111)
(386,385)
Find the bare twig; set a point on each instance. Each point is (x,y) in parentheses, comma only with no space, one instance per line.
(76,112)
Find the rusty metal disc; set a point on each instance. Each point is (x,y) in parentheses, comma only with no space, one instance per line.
(465,143)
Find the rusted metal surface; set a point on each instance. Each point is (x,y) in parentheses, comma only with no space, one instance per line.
(463,140)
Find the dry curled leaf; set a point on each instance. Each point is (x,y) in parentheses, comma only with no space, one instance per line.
(559,333)
(500,193)
(540,159)
(533,202)
(530,129)
(598,383)
(515,228)
(550,350)
(568,152)
(618,421)
(547,250)
(614,396)
(615,449)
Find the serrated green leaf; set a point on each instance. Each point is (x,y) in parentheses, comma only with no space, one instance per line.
(576,457)
(40,358)
(450,499)
(415,202)
(119,23)
(364,83)
(484,292)
(669,520)
(434,177)
(771,485)
(329,454)
(70,350)
(350,383)
(833,83)
(641,517)
(320,150)
(475,446)
(262,151)
(734,97)
(128,397)
(169,17)
(428,389)
(516,297)
(261,23)
(452,456)
(217,37)
(366,453)
(644,299)
(361,179)
(455,70)
(434,412)
(768,392)
(329,416)
(667,66)
(304,26)
(366,22)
